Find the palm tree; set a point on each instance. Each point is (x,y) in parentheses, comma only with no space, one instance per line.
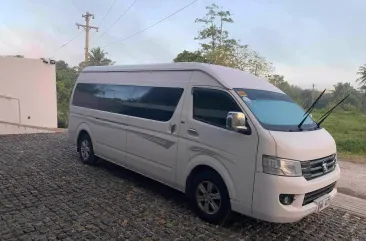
(362,73)
(98,57)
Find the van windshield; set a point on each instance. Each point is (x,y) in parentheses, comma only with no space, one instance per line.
(275,111)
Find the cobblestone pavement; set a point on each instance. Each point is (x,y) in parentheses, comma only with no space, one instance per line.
(46,193)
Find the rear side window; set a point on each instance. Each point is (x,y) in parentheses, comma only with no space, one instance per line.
(212,106)
(85,95)
(155,103)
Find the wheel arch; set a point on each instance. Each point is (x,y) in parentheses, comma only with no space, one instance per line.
(83,128)
(199,164)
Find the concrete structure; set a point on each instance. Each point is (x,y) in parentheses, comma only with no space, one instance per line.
(28,100)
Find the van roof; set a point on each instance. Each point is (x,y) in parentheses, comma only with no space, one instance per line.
(228,77)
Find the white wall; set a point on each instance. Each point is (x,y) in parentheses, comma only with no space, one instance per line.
(9,109)
(7,129)
(33,83)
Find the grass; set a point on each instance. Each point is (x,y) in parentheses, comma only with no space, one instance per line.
(349,131)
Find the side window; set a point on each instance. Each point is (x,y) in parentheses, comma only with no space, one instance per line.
(212,106)
(85,95)
(155,103)
(113,98)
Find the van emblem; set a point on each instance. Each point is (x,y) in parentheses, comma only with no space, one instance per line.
(325,166)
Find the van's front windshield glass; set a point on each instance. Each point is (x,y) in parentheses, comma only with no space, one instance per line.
(275,111)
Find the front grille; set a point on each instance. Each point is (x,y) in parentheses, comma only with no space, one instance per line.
(311,196)
(319,167)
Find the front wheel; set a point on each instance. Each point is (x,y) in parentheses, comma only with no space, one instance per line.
(209,197)
(86,150)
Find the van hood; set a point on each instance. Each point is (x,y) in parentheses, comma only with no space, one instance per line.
(305,145)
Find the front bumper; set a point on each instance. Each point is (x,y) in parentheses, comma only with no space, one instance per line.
(267,188)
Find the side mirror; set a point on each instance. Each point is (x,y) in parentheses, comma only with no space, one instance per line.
(236,121)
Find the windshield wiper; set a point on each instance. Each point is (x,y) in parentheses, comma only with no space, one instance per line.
(330,111)
(307,113)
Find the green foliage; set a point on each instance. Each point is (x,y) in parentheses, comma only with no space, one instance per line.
(187,56)
(65,80)
(218,47)
(97,57)
(276,79)
(348,129)
(304,97)
(362,73)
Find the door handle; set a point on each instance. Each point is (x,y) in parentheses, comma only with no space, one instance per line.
(192,132)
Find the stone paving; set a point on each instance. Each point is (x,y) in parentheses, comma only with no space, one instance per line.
(46,193)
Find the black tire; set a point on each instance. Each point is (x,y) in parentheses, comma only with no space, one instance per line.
(86,151)
(224,207)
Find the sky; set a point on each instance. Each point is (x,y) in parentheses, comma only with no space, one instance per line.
(309,42)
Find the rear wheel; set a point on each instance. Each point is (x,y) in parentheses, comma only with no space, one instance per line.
(86,150)
(209,197)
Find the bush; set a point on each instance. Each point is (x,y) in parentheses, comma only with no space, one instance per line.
(62,120)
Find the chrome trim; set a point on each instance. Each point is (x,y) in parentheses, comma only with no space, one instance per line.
(192,132)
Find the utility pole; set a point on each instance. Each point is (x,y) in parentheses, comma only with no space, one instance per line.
(312,94)
(87,28)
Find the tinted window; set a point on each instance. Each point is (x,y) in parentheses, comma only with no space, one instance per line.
(86,95)
(113,98)
(212,106)
(156,103)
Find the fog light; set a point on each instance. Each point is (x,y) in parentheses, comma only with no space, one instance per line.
(286,199)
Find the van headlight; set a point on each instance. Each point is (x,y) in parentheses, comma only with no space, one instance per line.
(281,167)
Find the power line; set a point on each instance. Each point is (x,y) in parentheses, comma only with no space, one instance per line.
(107,12)
(120,16)
(69,41)
(105,16)
(123,39)
(65,44)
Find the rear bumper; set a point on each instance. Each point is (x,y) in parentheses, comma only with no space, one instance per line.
(267,188)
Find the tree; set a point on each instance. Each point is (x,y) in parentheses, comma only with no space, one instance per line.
(65,81)
(353,102)
(362,78)
(276,79)
(81,66)
(215,40)
(217,47)
(61,65)
(362,81)
(97,57)
(187,56)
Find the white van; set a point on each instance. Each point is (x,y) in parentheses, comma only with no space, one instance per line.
(231,141)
